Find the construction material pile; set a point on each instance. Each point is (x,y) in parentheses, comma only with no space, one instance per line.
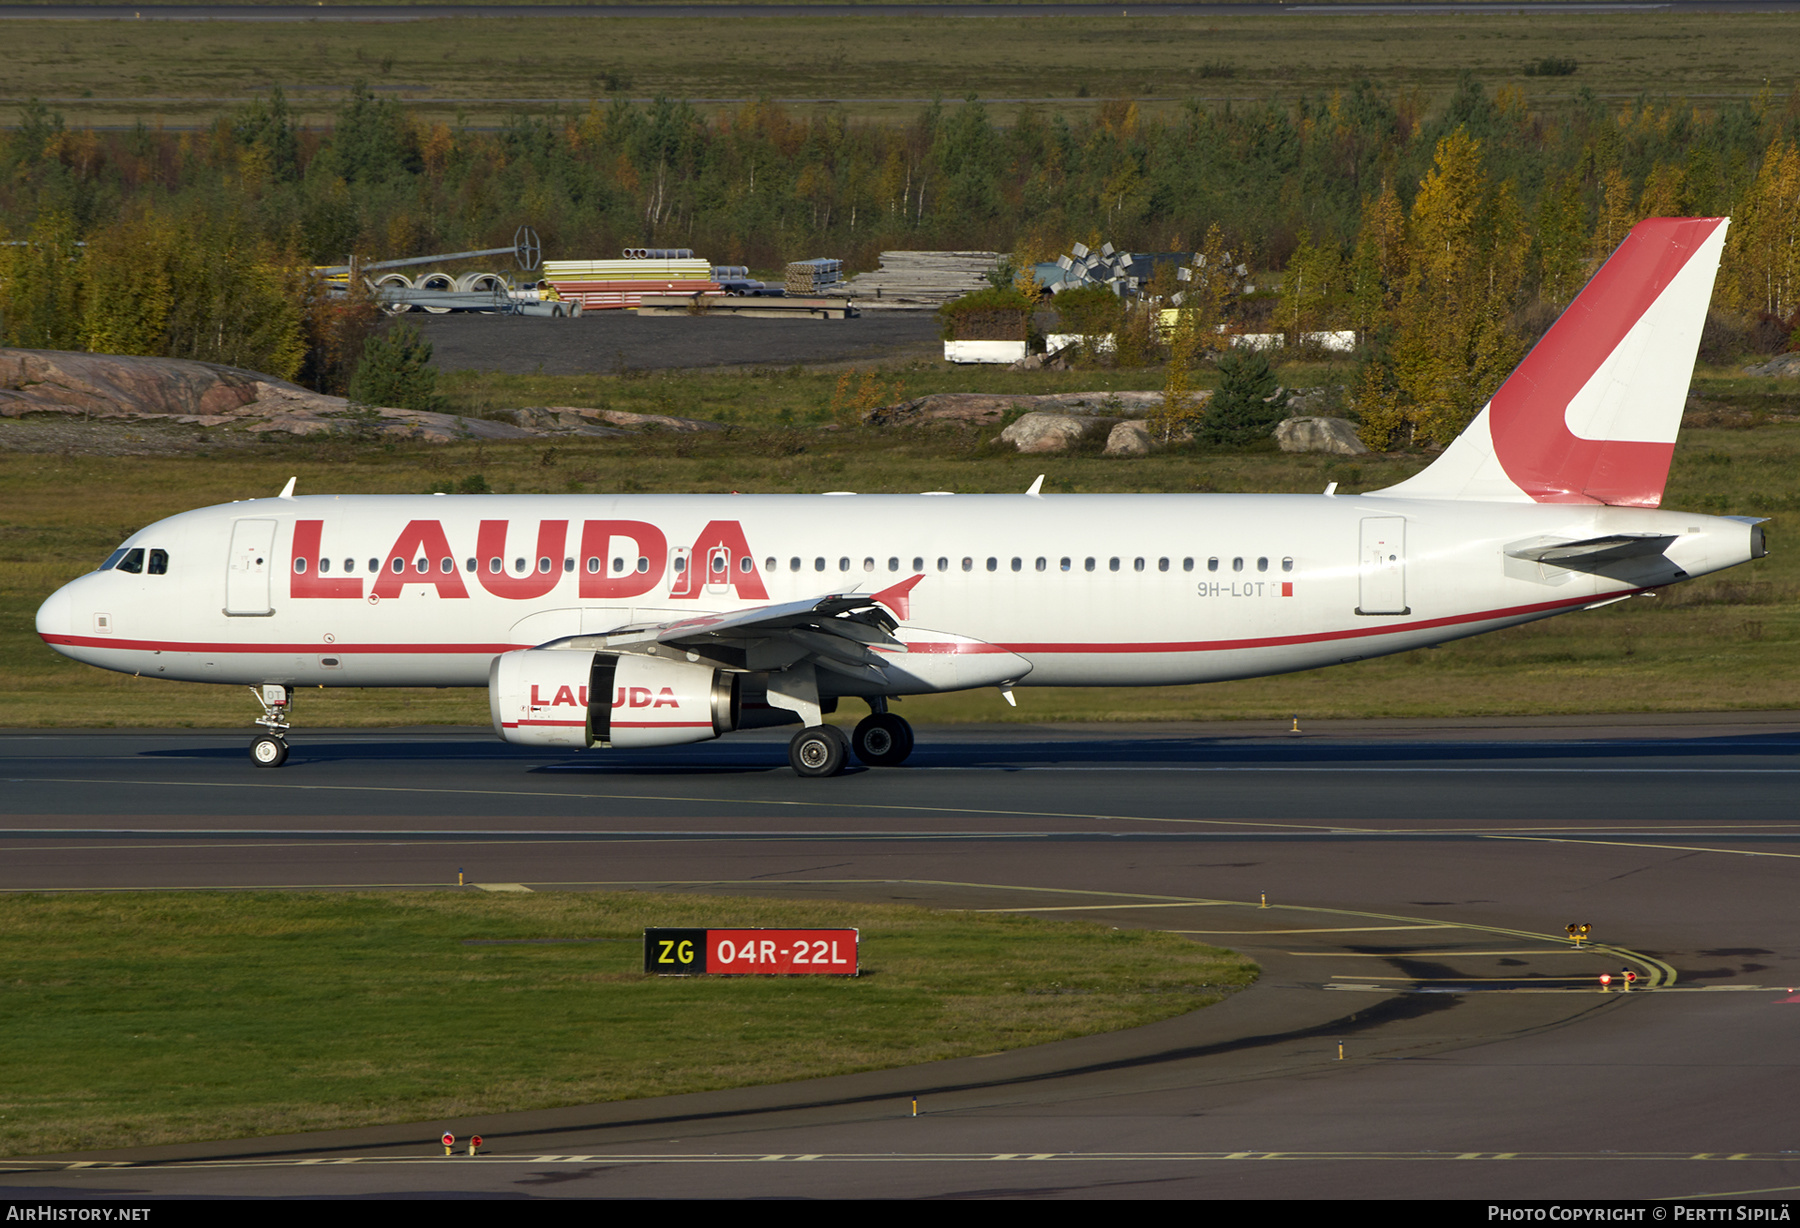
(597,284)
(920,281)
(808,278)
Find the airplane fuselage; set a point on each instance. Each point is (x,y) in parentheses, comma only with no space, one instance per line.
(1068,590)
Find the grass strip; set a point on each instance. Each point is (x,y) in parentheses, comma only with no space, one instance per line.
(144,1019)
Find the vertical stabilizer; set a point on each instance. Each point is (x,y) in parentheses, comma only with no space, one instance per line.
(1591,415)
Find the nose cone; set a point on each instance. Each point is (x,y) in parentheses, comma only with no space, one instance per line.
(55,618)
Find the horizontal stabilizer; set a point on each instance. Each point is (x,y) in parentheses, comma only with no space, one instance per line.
(1593,551)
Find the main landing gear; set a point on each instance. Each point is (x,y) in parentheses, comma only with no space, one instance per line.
(880,739)
(270,749)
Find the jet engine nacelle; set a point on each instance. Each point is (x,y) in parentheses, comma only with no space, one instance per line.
(564,697)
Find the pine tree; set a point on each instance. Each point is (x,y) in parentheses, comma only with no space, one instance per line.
(396,371)
(1248,404)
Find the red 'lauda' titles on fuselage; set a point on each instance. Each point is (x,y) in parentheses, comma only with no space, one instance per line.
(540,572)
(310,583)
(721,541)
(648,544)
(422,552)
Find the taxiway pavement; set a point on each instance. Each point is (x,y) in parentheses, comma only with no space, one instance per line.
(1417,875)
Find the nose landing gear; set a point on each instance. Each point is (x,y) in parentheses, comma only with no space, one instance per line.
(270,749)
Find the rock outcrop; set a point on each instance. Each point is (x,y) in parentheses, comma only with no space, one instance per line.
(1785,366)
(987,409)
(1334,435)
(212,395)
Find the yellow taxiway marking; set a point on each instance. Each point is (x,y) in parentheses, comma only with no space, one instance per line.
(1334,929)
(1431,954)
(1425,980)
(1107,907)
(1659,973)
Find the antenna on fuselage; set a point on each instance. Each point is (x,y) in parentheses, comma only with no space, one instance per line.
(1037,487)
(287,492)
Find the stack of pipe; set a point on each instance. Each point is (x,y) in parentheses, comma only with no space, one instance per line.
(598,284)
(920,281)
(806,278)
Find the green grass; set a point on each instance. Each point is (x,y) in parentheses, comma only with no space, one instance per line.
(878,66)
(1730,641)
(135,1020)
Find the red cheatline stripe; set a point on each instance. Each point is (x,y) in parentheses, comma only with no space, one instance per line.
(1273,641)
(90,641)
(661,724)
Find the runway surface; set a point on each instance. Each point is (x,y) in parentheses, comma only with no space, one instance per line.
(1417,875)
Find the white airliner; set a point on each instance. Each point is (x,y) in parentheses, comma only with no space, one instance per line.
(655,620)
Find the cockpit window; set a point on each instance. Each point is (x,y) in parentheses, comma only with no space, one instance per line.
(112,560)
(133,561)
(159,562)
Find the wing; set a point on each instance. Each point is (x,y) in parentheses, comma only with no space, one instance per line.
(836,632)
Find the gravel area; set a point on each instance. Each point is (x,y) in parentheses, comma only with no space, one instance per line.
(606,341)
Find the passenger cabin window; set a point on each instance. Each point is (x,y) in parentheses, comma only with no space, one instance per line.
(793,564)
(350,566)
(868,564)
(1237,564)
(1090,564)
(943,564)
(1112,564)
(468,565)
(769,564)
(448,566)
(1162,564)
(568,565)
(993,564)
(1262,564)
(818,564)
(519,566)
(843,564)
(919,565)
(1187,564)
(1137,564)
(1043,564)
(1212,564)
(893,564)
(1065,563)
(968,564)
(1287,564)
(299,567)
(680,564)
(324,564)
(399,565)
(374,566)
(746,564)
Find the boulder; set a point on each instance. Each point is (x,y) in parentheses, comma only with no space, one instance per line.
(1128,439)
(985,408)
(1785,366)
(1334,435)
(1053,432)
